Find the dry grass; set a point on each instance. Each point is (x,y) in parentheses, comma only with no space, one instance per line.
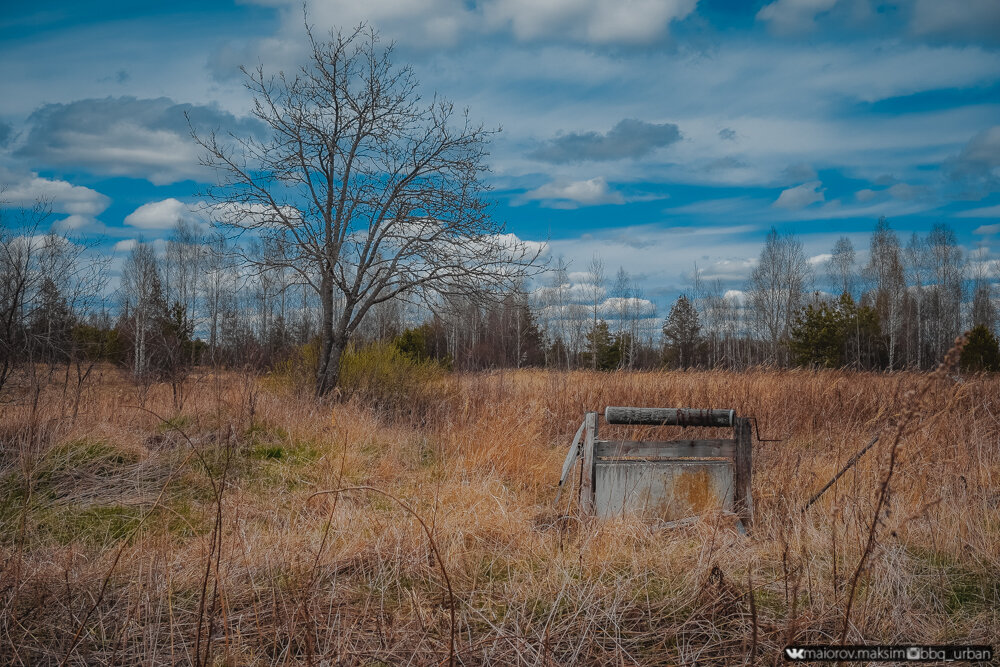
(128,537)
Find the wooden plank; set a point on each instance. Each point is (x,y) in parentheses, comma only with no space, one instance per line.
(744,470)
(664,449)
(574,450)
(668,416)
(587,482)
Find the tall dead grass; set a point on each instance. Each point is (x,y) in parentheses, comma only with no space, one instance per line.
(137,535)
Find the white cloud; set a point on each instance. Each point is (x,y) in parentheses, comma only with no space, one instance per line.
(908,192)
(446,22)
(619,304)
(800,196)
(865,195)
(734,295)
(587,21)
(126,136)
(821,258)
(64,197)
(957,19)
(793,16)
(573,194)
(125,245)
(158,215)
(985,212)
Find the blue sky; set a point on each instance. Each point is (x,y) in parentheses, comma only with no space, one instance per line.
(657,133)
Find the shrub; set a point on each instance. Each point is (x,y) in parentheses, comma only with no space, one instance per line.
(384,377)
(297,372)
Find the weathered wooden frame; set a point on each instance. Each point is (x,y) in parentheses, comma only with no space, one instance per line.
(738,450)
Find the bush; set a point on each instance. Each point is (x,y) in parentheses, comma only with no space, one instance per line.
(380,375)
(297,372)
(384,377)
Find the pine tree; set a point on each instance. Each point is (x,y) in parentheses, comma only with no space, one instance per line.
(603,352)
(981,351)
(681,330)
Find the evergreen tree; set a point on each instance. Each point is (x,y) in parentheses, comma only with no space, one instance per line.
(817,336)
(831,335)
(981,351)
(681,330)
(602,353)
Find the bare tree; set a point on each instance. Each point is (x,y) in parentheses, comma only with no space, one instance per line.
(982,310)
(595,283)
(776,287)
(840,267)
(947,272)
(377,194)
(558,307)
(142,304)
(884,273)
(621,301)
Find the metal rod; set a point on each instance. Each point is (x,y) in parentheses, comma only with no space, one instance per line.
(854,459)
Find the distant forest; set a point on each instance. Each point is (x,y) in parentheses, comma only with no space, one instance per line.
(193,300)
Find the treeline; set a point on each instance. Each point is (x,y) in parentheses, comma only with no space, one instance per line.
(197,299)
(902,308)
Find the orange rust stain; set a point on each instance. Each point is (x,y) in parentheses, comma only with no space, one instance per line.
(696,488)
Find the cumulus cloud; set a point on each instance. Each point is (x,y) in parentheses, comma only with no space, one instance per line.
(125,245)
(438,22)
(162,215)
(977,166)
(821,258)
(587,21)
(574,194)
(865,195)
(793,16)
(800,196)
(62,196)
(125,136)
(630,138)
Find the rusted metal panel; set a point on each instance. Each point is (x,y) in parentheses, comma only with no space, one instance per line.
(664,490)
(664,449)
(668,416)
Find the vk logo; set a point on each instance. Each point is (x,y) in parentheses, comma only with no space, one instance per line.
(795,653)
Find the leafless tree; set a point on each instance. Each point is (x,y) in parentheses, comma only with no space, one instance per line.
(840,267)
(142,301)
(595,285)
(982,310)
(947,273)
(776,288)
(916,261)
(558,308)
(885,275)
(377,194)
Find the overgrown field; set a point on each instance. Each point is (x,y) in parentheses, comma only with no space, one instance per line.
(144,533)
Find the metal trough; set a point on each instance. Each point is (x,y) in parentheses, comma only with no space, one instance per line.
(667,480)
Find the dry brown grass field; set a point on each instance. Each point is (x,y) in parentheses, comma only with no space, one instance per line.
(141,533)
